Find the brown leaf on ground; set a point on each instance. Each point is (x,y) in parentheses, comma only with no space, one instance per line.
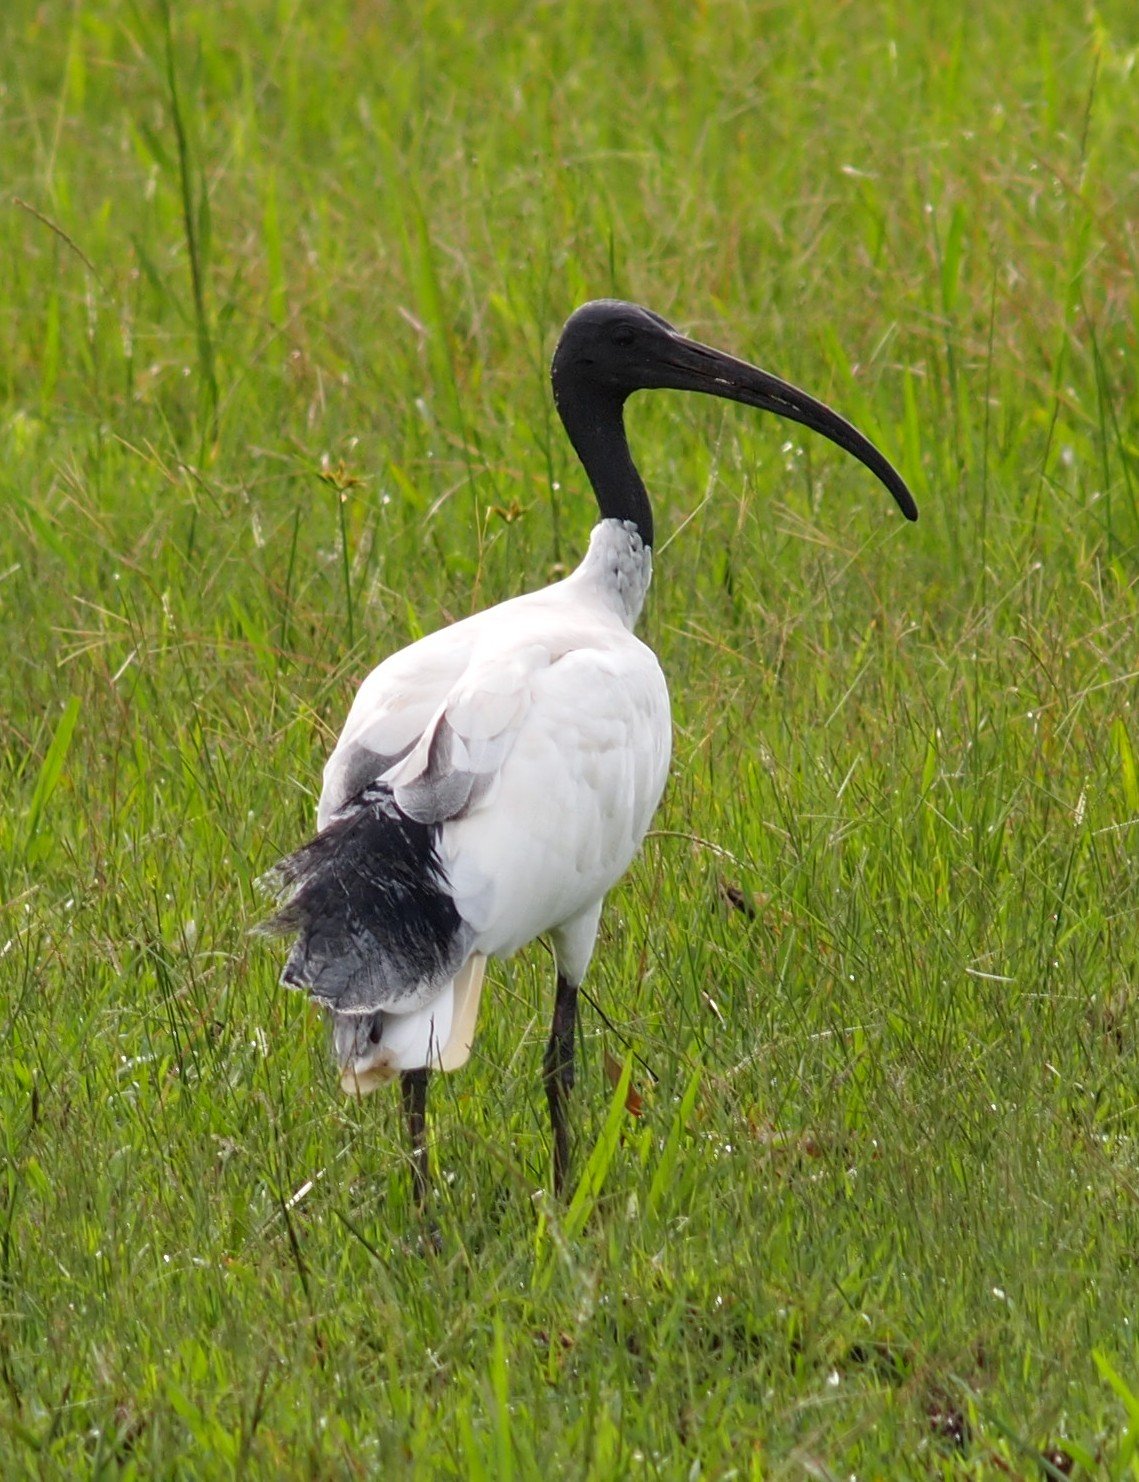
(634,1101)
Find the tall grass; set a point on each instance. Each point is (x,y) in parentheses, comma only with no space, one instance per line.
(278,286)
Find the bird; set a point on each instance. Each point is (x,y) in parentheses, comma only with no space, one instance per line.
(495,778)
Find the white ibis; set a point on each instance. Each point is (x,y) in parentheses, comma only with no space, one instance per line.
(495,779)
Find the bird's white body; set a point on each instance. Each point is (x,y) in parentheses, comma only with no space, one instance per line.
(536,736)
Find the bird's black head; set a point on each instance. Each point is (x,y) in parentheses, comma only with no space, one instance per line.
(609,349)
(612,346)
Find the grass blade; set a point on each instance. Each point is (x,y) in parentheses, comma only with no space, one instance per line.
(593,1177)
(51,770)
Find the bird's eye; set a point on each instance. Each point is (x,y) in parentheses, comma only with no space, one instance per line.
(623,334)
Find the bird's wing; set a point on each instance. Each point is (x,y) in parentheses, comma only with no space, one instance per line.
(465,745)
(392,709)
(399,703)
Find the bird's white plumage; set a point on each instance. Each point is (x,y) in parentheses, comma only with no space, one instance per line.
(441,1037)
(536,735)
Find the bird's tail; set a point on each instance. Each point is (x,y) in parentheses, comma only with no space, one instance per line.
(372,1048)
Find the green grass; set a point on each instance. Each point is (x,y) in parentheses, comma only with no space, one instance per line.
(278,286)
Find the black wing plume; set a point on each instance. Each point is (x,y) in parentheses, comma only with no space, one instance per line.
(369,903)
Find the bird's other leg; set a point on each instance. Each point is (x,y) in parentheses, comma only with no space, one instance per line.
(558,1075)
(413,1085)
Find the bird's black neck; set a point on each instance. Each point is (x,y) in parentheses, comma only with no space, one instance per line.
(595,421)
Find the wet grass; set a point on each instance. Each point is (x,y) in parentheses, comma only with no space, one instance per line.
(278,286)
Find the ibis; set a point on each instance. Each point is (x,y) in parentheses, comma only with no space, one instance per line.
(494,779)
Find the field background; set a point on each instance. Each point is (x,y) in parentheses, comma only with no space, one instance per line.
(279,283)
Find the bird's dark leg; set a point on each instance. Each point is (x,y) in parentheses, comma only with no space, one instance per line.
(558,1075)
(413,1085)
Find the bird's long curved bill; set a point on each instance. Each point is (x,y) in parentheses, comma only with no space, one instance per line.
(690,366)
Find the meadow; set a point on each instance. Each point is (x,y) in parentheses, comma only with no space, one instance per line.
(857,1114)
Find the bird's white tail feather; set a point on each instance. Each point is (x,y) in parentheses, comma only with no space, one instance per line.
(468,990)
(439,1035)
